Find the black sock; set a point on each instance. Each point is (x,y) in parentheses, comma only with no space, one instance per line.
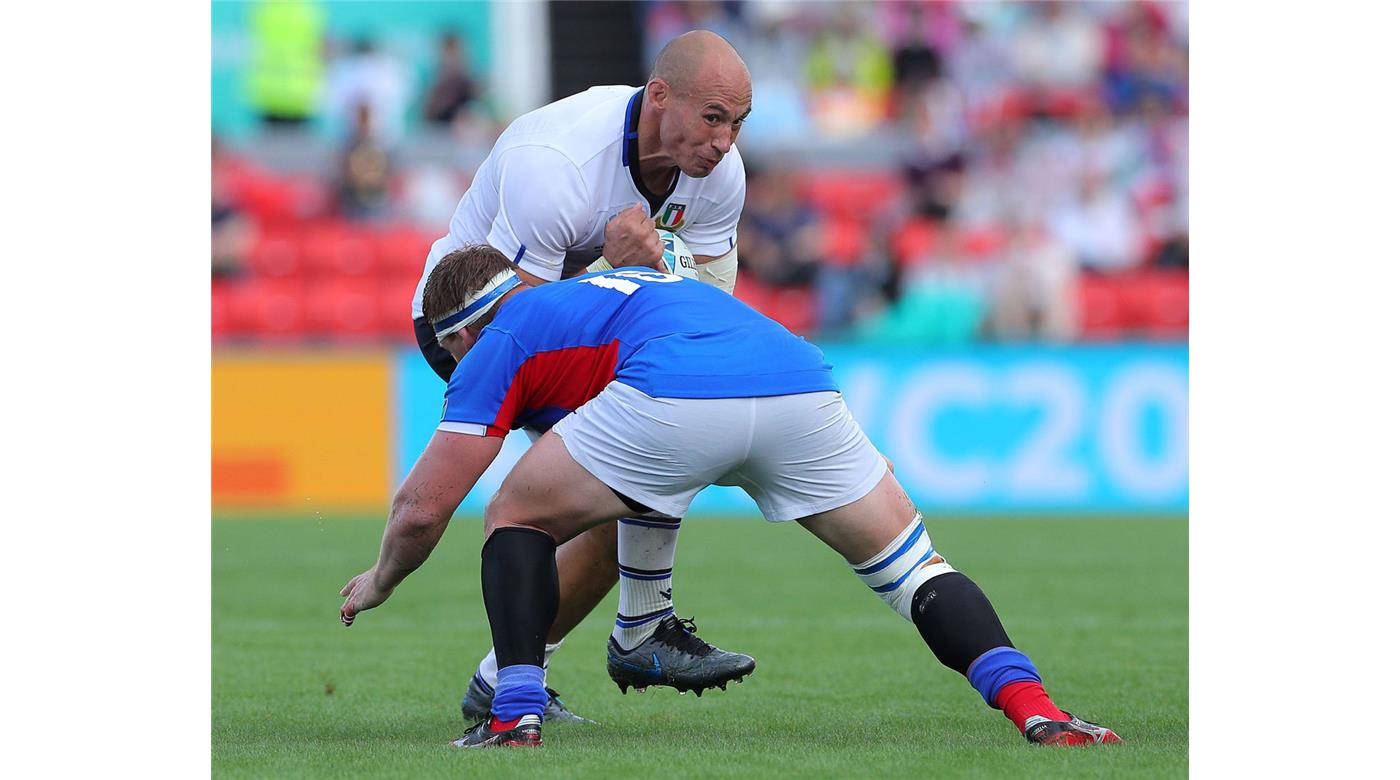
(957,621)
(520,585)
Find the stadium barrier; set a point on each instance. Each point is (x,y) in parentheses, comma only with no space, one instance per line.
(301,432)
(1097,429)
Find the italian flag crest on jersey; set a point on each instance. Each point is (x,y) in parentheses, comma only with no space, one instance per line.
(673,217)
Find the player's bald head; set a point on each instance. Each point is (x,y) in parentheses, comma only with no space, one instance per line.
(696,101)
(700,57)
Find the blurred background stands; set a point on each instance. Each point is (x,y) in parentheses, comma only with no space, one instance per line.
(920,173)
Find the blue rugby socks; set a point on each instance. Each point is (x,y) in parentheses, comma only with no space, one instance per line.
(1008,681)
(519,692)
(487,672)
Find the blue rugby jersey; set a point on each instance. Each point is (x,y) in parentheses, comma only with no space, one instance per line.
(552,348)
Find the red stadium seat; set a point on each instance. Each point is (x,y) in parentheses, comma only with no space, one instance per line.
(981,243)
(750,290)
(402,250)
(795,308)
(844,241)
(1064,102)
(1169,305)
(1133,305)
(1101,315)
(276,254)
(271,200)
(335,248)
(271,309)
(914,240)
(1155,304)
(854,195)
(282,200)
(999,109)
(395,305)
(344,309)
(220,309)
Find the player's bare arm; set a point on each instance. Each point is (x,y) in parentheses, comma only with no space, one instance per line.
(442,477)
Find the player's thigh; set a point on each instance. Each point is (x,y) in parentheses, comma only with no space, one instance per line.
(865,527)
(549,491)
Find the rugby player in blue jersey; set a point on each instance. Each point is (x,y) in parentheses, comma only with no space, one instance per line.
(654,387)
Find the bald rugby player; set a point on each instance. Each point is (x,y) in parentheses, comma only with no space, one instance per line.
(583,183)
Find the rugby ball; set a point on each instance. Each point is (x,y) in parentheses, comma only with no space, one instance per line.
(676,256)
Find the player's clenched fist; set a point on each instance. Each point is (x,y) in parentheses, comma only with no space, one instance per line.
(630,238)
(363,592)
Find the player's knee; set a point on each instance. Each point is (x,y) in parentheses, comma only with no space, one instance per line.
(501,514)
(899,570)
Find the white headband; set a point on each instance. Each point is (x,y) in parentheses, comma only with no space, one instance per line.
(476,305)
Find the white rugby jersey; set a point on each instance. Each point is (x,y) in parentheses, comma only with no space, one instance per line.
(559,173)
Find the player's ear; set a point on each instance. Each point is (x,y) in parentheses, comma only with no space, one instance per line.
(469,334)
(658,92)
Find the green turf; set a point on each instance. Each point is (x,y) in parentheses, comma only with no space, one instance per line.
(843,688)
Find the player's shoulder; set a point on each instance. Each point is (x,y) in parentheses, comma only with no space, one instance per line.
(577,127)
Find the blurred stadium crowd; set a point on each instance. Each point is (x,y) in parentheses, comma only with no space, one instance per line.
(919,173)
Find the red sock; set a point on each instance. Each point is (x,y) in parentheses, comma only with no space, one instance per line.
(1020,700)
(504,725)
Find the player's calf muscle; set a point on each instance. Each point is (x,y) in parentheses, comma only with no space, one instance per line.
(956,620)
(597,547)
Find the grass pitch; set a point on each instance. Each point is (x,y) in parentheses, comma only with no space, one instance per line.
(843,688)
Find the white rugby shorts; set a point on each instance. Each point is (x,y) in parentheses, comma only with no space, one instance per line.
(795,455)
